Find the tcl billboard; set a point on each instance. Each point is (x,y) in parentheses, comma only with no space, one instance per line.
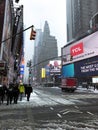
(76,49)
(84,48)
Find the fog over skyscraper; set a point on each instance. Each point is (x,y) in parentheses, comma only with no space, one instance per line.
(45,48)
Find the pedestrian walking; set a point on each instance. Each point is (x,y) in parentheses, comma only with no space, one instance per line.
(9,93)
(2,93)
(21,90)
(25,86)
(28,92)
(15,93)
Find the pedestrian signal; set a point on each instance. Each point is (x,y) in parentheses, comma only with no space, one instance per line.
(33,34)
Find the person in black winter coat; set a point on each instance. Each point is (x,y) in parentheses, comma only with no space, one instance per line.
(28,91)
(2,93)
(25,85)
(9,94)
(15,93)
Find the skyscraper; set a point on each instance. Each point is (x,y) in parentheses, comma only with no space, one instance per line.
(49,45)
(79,13)
(45,49)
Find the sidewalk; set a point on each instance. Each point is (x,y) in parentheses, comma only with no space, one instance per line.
(89,90)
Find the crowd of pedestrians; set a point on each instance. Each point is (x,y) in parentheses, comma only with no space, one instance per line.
(14,92)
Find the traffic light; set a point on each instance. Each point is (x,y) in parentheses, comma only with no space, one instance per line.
(33,34)
(16,1)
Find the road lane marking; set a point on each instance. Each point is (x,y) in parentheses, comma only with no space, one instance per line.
(63,110)
(51,108)
(59,115)
(90,113)
(76,107)
(66,112)
(77,111)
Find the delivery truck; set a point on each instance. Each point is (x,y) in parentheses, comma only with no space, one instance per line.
(68,84)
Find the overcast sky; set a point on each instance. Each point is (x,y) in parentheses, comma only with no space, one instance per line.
(36,12)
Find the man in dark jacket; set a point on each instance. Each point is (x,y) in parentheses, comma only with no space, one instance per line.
(15,93)
(9,94)
(28,92)
(2,93)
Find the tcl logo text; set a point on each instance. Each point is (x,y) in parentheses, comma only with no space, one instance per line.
(76,49)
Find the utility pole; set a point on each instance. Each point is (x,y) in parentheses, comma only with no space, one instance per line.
(29,65)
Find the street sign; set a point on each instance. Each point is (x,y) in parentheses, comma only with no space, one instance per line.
(22,69)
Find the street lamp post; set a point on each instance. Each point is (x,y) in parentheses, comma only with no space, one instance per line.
(29,65)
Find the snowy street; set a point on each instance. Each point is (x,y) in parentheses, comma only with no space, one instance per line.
(51,109)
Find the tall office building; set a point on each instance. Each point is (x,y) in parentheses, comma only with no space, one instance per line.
(79,13)
(37,45)
(49,45)
(45,49)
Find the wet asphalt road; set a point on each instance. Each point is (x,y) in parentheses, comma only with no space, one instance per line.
(82,114)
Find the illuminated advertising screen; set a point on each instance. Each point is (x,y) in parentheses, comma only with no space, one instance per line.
(85,48)
(95,80)
(55,67)
(21,69)
(68,71)
(87,67)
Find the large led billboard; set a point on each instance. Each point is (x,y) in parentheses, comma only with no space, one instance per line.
(82,49)
(53,68)
(68,71)
(87,67)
